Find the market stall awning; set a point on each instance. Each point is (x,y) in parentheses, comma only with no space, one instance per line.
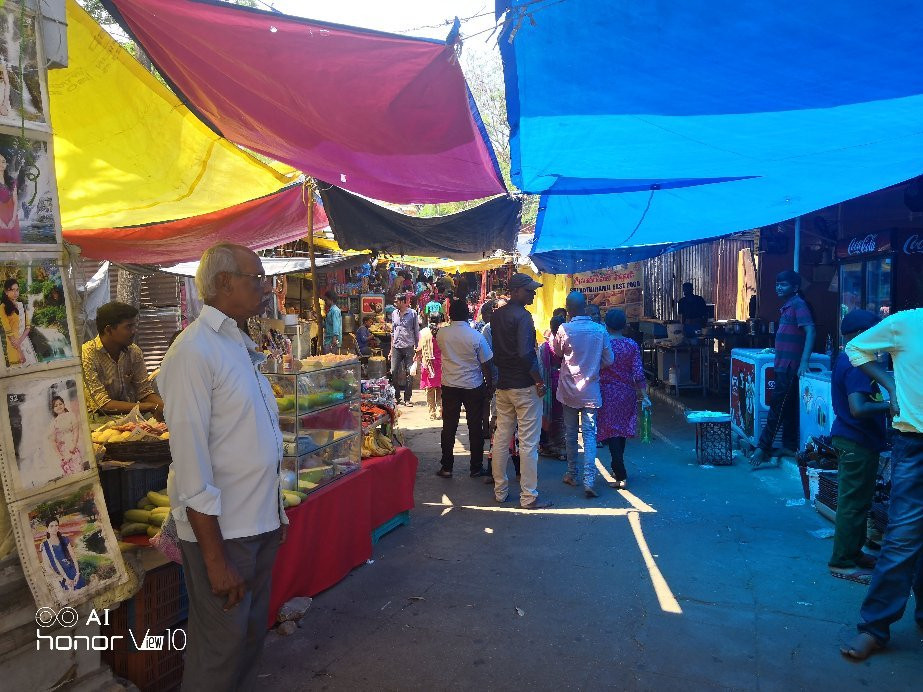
(387,116)
(778,112)
(128,152)
(470,235)
(261,223)
(284,265)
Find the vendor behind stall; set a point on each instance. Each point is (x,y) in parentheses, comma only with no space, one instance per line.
(115,378)
(693,310)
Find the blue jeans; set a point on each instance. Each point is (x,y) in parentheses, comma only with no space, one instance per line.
(586,419)
(900,564)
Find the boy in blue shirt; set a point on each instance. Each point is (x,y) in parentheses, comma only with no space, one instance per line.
(859,436)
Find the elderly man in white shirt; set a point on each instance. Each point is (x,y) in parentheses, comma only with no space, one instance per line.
(224,482)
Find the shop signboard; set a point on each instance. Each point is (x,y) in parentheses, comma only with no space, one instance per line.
(616,287)
(868,244)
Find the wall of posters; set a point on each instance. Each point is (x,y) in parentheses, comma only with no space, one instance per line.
(33,313)
(617,287)
(69,549)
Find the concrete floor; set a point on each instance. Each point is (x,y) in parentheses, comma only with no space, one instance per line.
(479,598)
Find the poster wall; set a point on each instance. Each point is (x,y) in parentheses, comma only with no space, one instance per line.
(617,287)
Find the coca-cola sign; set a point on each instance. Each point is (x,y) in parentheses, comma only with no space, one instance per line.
(913,245)
(868,244)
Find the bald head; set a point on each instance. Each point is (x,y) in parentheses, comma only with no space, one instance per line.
(576,304)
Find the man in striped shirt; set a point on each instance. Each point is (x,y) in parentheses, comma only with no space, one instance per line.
(794,343)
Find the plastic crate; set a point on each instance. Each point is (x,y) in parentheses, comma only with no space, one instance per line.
(827,488)
(161,603)
(713,443)
(151,671)
(124,487)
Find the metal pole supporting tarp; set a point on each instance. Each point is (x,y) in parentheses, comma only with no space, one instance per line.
(309,189)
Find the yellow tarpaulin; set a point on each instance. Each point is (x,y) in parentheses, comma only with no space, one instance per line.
(128,152)
(551,295)
(451,266)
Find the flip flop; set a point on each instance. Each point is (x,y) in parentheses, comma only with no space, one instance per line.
(860,648)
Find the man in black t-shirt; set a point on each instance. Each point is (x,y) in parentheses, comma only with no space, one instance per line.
(692,309)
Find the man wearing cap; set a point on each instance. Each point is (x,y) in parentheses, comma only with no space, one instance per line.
(858,437)
(899,569)
(405,337)
(520,388)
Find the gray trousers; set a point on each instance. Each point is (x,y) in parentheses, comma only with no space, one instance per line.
(223,648)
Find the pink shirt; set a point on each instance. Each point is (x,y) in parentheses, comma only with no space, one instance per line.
(584,348)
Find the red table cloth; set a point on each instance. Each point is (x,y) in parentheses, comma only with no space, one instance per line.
(330,533)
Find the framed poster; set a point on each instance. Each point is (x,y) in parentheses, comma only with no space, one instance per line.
(36,329)
(28,195)
(46,435)
(22,92)
(69,551)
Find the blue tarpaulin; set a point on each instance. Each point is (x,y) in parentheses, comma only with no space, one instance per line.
(716,117)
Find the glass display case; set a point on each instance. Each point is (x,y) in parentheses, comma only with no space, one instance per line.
(321,424)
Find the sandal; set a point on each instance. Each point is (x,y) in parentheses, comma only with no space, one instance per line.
(860,648)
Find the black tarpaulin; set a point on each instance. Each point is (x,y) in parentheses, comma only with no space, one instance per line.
(473,234)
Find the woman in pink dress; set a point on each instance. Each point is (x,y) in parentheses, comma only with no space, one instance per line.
(65,434)
(430,363)
(623,386)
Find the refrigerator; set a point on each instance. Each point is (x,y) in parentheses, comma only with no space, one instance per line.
(815,406)
(752,380)
(881,272)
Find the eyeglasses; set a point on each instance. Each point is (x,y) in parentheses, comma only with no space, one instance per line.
(260,279)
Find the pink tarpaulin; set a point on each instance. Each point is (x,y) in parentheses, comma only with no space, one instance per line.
(385,116)
(260,223)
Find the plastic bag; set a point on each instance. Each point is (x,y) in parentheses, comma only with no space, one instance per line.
(167,540)
(412,371)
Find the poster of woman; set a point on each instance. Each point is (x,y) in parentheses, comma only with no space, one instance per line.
(75,551)
(20,79)
(47,431)
(33,313)
(27,212)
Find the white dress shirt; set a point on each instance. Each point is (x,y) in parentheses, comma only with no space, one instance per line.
(463,350)
(224,430)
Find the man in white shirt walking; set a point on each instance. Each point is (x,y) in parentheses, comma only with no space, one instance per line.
(224,480)
(584,347)
(466,380)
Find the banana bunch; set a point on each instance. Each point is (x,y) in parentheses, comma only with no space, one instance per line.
(376,444)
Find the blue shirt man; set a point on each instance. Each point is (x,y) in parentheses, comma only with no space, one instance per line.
(333,324)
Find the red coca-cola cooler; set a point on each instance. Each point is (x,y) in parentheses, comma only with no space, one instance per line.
(881,272)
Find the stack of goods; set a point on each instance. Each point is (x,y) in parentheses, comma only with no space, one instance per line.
(292,498)
(378,391)
(327,360)
(373,414)
(130,431)
(145,520)
(376,444)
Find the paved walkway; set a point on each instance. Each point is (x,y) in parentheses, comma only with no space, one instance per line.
(696,579)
